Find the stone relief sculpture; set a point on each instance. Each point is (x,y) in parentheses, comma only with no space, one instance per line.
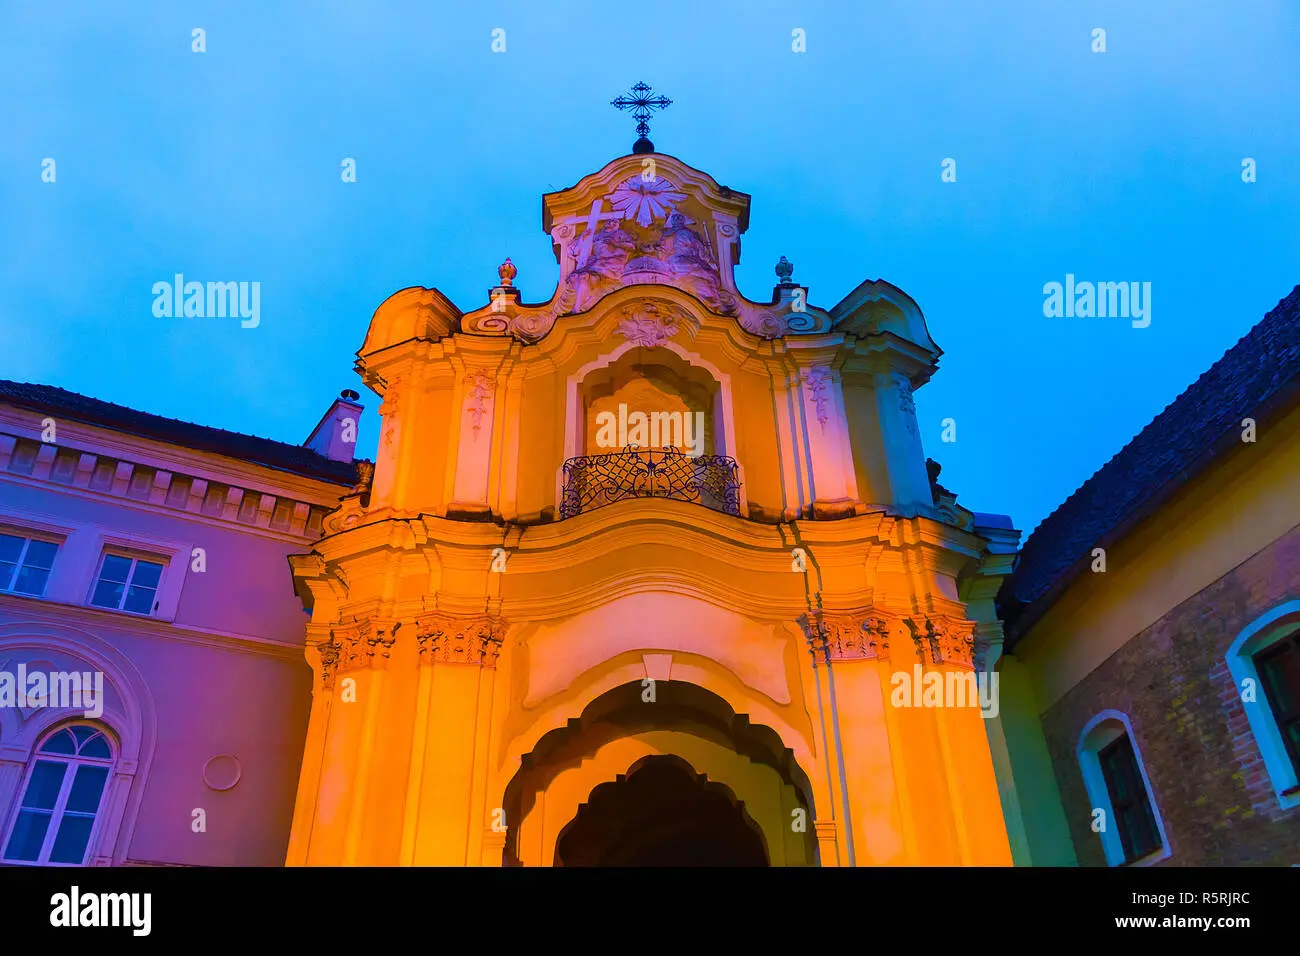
(652,243)
(817,381)
(611,249)
(645,239)
(687,253)
(645,200)
(651,324)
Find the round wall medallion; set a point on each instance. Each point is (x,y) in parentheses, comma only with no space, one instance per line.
(222,771)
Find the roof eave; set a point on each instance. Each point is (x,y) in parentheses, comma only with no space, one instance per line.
(1030,614)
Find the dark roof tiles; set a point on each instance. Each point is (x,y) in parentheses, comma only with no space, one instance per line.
(1178,442)
(260,451)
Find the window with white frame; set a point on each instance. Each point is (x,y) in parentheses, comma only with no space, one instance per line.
(1124,811)
(61,798)
(1264,662)
(25,563)
(128,582)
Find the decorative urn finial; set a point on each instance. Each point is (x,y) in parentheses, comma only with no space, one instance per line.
(365,474)
(507,272)
(784,270)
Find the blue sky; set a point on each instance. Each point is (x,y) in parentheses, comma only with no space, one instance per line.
(224,166)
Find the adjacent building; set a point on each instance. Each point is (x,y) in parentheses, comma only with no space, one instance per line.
(1151,670)
(145,599)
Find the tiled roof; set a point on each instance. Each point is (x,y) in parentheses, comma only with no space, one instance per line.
(1257,376)
(261,451)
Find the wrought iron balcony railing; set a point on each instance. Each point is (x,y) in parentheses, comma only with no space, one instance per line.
(596,480)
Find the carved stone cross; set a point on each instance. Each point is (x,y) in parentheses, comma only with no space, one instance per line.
(592,222)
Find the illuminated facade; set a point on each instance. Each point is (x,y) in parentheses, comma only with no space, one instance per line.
(541,637)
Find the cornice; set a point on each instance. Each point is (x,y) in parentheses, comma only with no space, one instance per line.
(179,514)
(661,521)
(23,609)
(105,442)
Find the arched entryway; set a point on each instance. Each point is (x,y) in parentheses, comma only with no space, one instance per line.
(662,813)
(604,773)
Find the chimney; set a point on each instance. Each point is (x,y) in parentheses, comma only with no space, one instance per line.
(336,435)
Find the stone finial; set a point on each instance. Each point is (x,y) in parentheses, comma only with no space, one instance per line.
(507,272)
(784,270)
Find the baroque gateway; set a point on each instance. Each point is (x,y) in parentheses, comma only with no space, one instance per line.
(532,649)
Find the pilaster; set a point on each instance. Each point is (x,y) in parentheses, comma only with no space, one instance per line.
(853,649)
(345,725)
(904,455)
(448,819)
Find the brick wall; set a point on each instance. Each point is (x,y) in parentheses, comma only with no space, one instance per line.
(1204,766)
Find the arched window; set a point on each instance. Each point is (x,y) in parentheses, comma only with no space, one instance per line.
(1264,662)
(61,798)
(1124,809)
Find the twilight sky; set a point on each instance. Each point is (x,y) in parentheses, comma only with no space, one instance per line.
(1122,166)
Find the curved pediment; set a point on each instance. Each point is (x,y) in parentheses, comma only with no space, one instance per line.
(646,220)
(414,313)
(701,189)
(877,306)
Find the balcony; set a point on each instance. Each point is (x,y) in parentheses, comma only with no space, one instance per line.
(593,481)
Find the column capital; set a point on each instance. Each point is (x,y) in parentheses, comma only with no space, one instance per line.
(988,645)
(362,644)
(943,640)
(446,639)
(813,624)
(328,651)
(827,835)
(825,829)
(848,636)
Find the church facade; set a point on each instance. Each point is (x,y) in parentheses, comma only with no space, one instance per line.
(650,572)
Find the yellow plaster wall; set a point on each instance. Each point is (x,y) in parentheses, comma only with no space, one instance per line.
(1245,502)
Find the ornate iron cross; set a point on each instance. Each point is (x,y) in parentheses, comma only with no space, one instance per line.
(642,104)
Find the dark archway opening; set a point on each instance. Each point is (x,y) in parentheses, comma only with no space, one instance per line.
(623,711)
(661,813)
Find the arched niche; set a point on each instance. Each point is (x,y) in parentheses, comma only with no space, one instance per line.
(685,364)
(695,373)
(675,397)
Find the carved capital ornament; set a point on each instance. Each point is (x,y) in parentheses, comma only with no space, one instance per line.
(364,644)
(445,639)
(846,637)
(944,641)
